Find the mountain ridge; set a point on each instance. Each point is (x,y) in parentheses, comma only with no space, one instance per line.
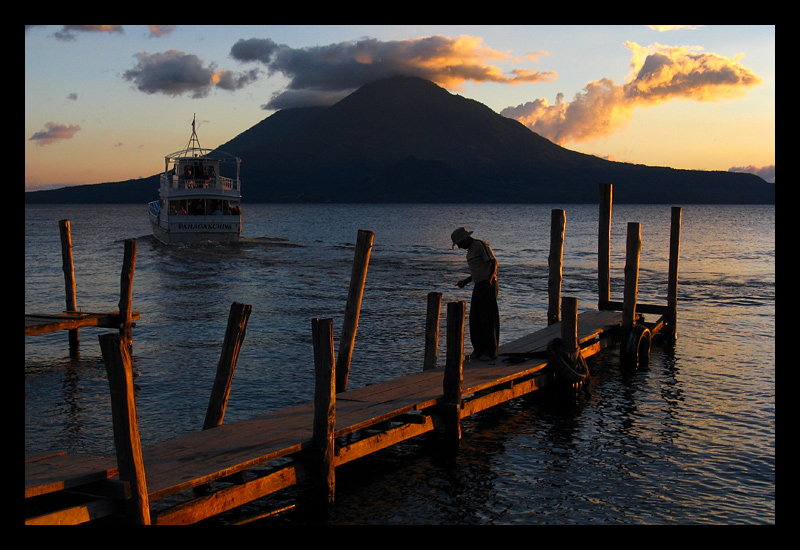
(407,140)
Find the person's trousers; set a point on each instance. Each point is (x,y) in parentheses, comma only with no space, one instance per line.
(484,319)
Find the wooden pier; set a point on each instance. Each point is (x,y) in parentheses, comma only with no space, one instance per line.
(224,466)
(72,319)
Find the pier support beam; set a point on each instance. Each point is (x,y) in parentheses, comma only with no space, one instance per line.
(324,407)
(432,330)
(558,223)
(231,346)
(126,293)
(352,310)
(454,372)
(604,247)
(569,325)
(68,266)
(672,284)
(633,251)
(126,426)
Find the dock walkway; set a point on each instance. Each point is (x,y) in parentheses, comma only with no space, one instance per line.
(396,410)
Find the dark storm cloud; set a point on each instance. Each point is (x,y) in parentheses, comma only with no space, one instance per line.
(254,49)
(174,73)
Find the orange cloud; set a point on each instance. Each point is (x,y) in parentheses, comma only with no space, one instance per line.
(452,61)
(662,73)
(318,73)
(659,73)
(67,32)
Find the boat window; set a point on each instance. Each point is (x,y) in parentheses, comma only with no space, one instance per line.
(196,207)
(178,207)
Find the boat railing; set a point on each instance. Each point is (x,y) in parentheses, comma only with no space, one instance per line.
(214,182)
(227,183)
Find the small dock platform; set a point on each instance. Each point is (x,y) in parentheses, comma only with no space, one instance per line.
(40,323)
(200,475)
(72,319)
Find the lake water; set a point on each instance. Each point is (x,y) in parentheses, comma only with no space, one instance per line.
(689,440)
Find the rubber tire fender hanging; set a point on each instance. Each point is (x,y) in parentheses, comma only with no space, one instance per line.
(635,350)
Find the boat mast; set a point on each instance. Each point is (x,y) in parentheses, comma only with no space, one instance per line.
(194,142)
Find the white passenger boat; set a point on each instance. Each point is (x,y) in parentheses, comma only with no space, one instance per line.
(197,203)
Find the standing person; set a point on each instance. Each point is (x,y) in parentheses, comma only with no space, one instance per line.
(484,317)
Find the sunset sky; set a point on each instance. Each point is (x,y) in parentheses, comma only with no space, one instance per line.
(108,102)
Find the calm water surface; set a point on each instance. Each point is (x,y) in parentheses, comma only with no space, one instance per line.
(690,440)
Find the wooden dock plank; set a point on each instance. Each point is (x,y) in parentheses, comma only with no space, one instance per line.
(362,407)
(64,471)
(198,458)
(495,373)
(42,323)
(178,464)
(590,324)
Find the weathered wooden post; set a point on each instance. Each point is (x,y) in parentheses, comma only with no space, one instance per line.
(577,372)
(324,407)
(634,350)
(126,293)
(432,330)
(672,284)
(220,391)
(352,310)
(632,252)
(68,266)
(454,372)
(231,346)
(604,247)
(558,222)
(126,425)
(569,325)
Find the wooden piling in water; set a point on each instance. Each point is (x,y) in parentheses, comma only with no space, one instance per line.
(668,312)
(432,330)
(569,324)
(126,293)
(352,311)
(324,408)
(231,346)
(220,391)
(68,266)
(633,250)
(555,261)
(672,277)
(126,426)
(122,319)
(454,372)
(604,247)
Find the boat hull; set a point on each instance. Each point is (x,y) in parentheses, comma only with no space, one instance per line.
(196,229)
